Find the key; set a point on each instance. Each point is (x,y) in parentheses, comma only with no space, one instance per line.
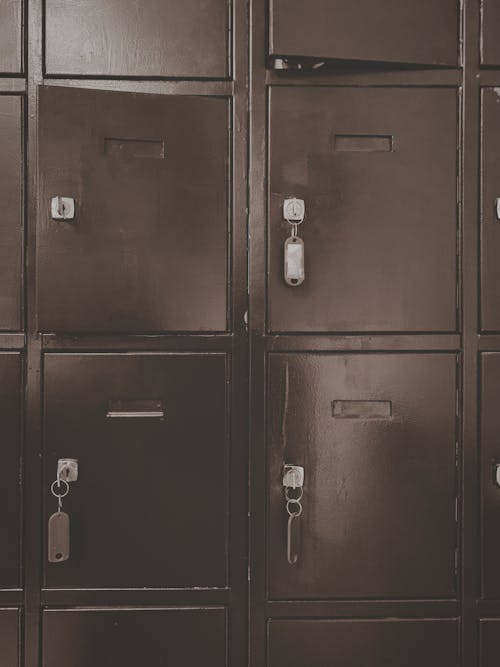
(58,537)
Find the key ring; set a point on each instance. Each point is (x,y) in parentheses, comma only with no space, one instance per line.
(58,482)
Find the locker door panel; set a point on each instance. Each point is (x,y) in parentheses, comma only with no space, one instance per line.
(490,222)
(148,175)
(490,20)
(394,31)
(11,42)
(489,631)
(126,38)
(150,505)
(10,468)
(490,458)
(377,437)
(11,216)
(377,169)
(371,643)
(132,637)
(9,637)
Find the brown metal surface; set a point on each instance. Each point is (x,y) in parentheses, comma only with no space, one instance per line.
(150,505)
(400,31)
(489,642)
(381,225)
(128,38)
(371,643)
(131,637)
(380,484)
(490,20)
(490,224)
(11,42)
(490,457)
(11,215)
(149,175)
(9,637)
(10,468)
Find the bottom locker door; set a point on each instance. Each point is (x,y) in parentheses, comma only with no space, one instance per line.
(489,642)
(366,643)
(376,438)
(134,637)
(149,433)
(9,638)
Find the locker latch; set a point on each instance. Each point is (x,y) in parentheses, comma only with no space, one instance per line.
(62,208)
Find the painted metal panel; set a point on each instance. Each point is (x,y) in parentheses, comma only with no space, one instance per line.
(163,38)
(150,506)
(381,223)
(147,250)
(380,486)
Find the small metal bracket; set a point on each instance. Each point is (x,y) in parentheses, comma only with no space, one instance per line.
(293,477)
(294,210)
(497,207)
(67,470)
(62,208)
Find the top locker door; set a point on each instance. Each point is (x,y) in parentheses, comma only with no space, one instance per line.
(377,170)
(147,248)
(161,38)
(420,32)
(11,37)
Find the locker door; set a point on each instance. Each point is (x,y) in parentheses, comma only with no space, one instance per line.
(9,637)
(489,642)
(490,210)
(155,38)
(395,31)
(10,468)
(376,435)
(11,42)
(132,637)
(147,177)
(371,643)
(149,432)
(490,479)
(11,217)
(490,18)
(377,170)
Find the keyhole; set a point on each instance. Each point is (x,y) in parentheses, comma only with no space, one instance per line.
(59,556)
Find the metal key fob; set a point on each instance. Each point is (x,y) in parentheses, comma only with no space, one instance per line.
(58,537)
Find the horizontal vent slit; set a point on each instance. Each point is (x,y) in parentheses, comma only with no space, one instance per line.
(362,409)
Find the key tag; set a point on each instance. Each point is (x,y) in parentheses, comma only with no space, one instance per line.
(294,212)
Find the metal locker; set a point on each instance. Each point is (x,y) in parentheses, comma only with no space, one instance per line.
(9,637)
(130,637)
(423,32)
(377,170)
(490,19)
(11,38)
(150,504)
(130,187)
(490,475)
(376,436)
(371,643)
(157,38)
(490,210)
(11,218)
(10,468)
(489,641)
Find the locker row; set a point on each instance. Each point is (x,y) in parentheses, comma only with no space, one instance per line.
(158,38)
(128,637)
(377,169)
(376,434)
